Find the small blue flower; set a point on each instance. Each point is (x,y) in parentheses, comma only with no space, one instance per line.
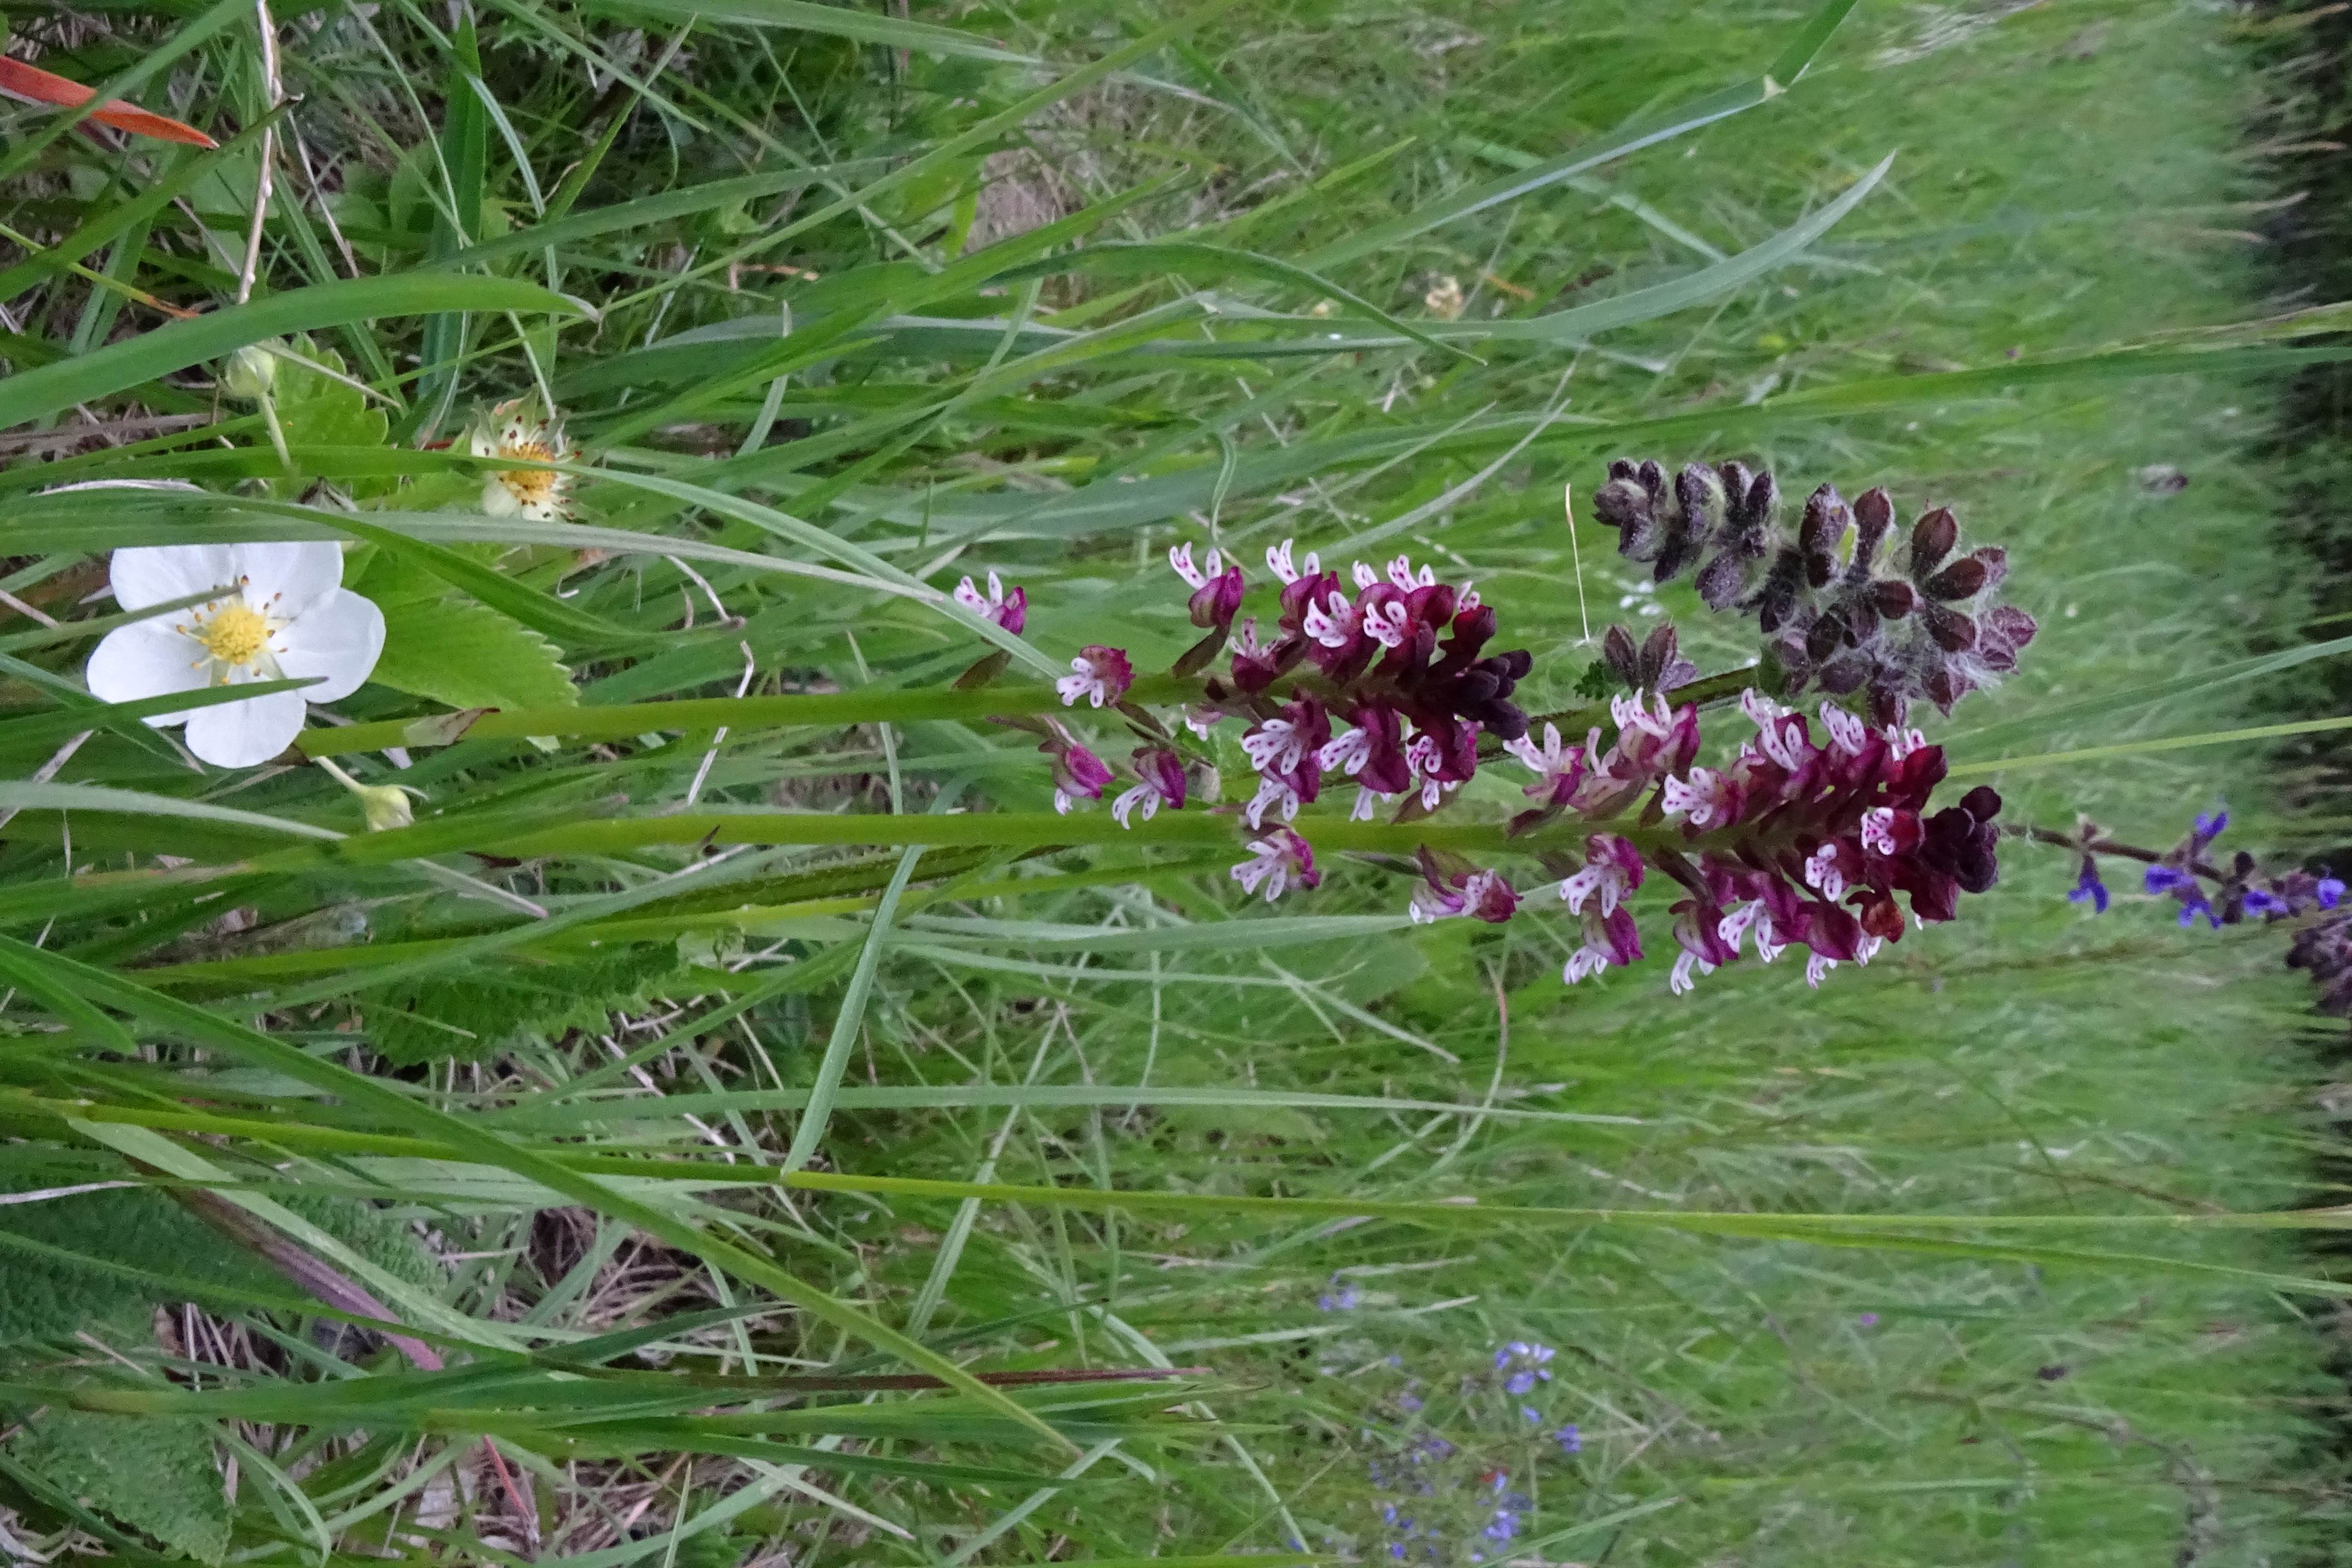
(1570,1439)
(2195,905)
(1533,1415)
(2209,828)
(1505,1522)
(2330,891)
(2263,903)
(1340,1297)
(2089,889)
(1529,1363)
(2165,879)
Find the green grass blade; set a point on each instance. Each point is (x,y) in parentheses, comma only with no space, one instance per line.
(817,1113)
(121,366)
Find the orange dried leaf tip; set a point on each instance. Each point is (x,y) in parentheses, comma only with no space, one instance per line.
(30,84)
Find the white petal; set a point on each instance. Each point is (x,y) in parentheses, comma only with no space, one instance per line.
(146,660)
(341,638)
(146,574)
(245,734)
(286,579)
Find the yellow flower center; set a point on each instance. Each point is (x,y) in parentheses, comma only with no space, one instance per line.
(531,486)
(234,635)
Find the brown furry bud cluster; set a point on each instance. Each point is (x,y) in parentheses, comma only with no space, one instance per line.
(1924,630)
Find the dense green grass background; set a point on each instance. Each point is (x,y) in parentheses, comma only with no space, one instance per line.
(2065,178)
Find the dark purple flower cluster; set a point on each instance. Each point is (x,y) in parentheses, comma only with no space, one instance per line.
(1382,677)
(1402,660)
(1396,689)
(1926,629)
(1791,843)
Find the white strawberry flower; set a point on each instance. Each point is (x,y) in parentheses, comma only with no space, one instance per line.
(516,433)
(282,614)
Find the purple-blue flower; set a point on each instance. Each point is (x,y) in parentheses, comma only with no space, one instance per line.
(1870,1319)
(2165,879)
(1526,1362)
(2207,829)
(2259,902)
(1570,1439)
(2330,890)
(1342,1298)
(2089,889)
(1505,1522)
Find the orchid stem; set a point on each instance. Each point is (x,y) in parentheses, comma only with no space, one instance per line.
(833,709)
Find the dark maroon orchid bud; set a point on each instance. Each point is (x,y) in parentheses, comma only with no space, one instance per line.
(1723,581)
(1827,631)
(1617,651)
(1678,550)
(1932,538)
(1822,530)
(1874,517)
(1735,478)
(1893,598)
(1945,686)
(1754,512)
(1963,579)
(1216,602)
(1953,632)
(1776,600)
(1623,503)
(1889,707)
(2002,632)
(1843,675)
(1659,649)
(1643,538)
(1698,493)
(1994,559)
